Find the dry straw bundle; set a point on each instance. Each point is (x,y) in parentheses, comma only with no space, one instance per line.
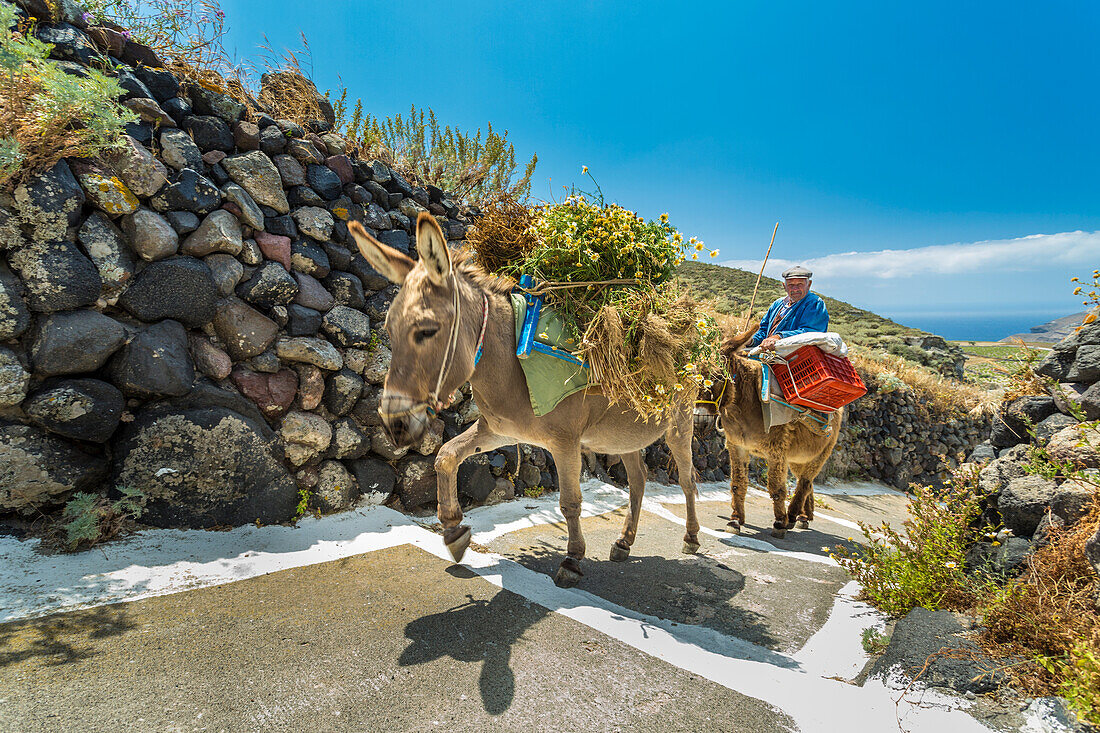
(609,273)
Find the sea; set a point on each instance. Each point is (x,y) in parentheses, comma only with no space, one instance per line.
(970,327)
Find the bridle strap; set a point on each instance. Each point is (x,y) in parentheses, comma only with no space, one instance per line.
(433,404)
(452,343)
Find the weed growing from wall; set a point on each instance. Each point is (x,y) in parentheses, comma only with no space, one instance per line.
(93,518)
(46,114)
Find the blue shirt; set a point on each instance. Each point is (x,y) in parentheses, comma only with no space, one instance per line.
(806,316)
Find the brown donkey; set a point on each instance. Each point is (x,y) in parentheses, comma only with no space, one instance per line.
(803,448)
(445,309)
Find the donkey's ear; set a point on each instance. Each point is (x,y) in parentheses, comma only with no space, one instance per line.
(432,246)
(734,342)
(391,264)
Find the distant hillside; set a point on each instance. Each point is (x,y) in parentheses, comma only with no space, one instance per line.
(732,289)
(1050,332)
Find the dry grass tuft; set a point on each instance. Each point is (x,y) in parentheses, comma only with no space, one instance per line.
(944,395)
(502,233)
(1051,612)
(1022,379)
(286,87)
(646,364)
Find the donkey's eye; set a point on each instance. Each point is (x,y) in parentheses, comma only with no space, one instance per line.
(424,334)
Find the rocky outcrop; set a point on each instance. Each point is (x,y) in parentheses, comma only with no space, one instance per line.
(1031,505)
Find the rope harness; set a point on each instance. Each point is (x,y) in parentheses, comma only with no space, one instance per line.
(433,404)
(546,287)
(717,402)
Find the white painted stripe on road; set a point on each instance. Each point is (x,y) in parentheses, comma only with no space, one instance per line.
(487,523)
(490,522)
(157,562)
(719,492)
(737,540)
(836,649)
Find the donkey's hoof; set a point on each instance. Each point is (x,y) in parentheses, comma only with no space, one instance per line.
(457,540)
(569,573)
(690,547)
(619,553)
(733,527)
(779,530)
(802,524)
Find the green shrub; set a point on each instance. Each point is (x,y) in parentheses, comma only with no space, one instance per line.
(461,163)
(93,518)
(46,114)
(1078,675)
(303,507)
(874,641)
(927,565)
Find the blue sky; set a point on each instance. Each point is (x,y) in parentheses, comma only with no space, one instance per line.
(903,137)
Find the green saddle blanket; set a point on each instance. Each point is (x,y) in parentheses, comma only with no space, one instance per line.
(549,379)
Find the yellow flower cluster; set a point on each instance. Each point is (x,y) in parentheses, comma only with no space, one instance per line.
(580,240)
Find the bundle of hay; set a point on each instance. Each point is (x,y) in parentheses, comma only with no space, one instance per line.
(609,273)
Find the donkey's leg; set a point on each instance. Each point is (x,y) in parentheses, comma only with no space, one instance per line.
(635,474)
(802,498)
(777,489)
(801,512)
(739,486)
(568,462)
(678,439)
(475,440)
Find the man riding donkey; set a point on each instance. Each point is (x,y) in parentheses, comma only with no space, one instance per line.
(800,311)
(756,418)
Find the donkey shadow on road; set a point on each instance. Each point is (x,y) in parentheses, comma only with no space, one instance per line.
(476,631)
(689,598)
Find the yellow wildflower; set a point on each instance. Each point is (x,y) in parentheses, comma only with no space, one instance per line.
(584,169)
(664,218)
(698,246)
(694,256)
(714,253)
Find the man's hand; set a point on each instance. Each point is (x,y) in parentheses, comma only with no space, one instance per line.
(768,344)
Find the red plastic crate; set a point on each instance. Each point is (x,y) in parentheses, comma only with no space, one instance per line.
(822,379)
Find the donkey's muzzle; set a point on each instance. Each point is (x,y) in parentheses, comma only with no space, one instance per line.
(404,418)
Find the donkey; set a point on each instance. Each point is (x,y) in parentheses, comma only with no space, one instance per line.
(800,447)
(447,313)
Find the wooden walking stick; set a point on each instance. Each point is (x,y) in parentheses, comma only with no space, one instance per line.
(748,316)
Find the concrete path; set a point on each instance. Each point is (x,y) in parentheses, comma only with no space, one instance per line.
(360,622)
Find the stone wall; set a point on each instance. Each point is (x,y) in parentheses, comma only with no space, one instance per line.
(188,317)
(1028,504)
(895,436)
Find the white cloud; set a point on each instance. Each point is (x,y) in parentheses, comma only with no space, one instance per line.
(1001,255)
